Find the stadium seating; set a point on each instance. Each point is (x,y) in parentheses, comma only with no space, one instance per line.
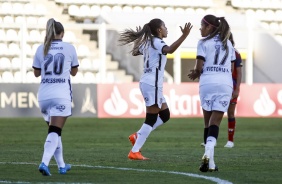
(17,77)
(34,14)
(5,63)
(3,49)
(7,77)
(16,63)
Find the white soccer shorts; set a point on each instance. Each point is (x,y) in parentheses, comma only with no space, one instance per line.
(215,97)
(55,107)
(152,95)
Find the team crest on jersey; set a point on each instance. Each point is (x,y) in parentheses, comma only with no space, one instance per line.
(223,103)
(161,100)
(208,102)
(146,99)
(60,107)
(44,112)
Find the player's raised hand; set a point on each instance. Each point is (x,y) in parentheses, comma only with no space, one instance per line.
(187,28)
(138,28)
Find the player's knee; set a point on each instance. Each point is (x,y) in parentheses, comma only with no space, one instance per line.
(165,115)
(151,119)
(55,129)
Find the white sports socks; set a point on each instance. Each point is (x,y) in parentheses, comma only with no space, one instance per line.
(143,133)
(159,122)
(59,153)
(50,146)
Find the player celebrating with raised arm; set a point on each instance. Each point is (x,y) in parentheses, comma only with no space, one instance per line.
(237,77)
(55,61)
(214,68)
(148,42)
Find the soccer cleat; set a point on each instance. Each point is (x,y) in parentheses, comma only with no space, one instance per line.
(204,167)
(132,138)
(229,144)
(63,170)
(44,169)
(213,169)
(136,156)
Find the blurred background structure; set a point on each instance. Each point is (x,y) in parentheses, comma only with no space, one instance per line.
(93,26)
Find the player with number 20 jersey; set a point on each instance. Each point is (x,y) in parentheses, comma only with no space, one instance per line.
(55,70)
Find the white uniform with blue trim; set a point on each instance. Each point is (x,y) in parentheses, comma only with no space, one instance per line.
(55,91)
(151,82)
(216,79)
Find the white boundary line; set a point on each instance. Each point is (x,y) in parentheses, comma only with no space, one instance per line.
(210,178)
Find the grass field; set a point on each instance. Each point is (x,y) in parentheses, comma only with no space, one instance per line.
(98,150)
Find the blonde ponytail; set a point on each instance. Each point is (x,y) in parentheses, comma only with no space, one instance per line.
(50,34)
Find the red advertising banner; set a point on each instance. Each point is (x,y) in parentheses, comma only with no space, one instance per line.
(125,100)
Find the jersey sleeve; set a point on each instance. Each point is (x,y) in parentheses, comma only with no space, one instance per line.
(201,54)
(74,63)
(36,59)
(159,45)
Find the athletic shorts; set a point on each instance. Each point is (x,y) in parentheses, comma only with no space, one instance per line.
(152,95)
(55,107)
(215,97)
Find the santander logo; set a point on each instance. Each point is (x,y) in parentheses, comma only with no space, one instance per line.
(264,106)
(115,105)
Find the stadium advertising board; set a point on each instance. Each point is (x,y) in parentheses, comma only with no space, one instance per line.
(125,100)
(20,100)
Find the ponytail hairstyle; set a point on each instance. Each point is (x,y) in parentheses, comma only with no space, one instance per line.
(220,26)
(53,28)
(142,36)
(231,39)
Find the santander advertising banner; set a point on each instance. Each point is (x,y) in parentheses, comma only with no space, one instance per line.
(125,100)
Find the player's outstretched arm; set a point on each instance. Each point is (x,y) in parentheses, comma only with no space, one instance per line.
(185,32)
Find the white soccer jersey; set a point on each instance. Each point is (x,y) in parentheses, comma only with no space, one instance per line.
(55,70)
(217,61)
(154,62)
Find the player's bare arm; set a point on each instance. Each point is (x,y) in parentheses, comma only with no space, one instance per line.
(36,72)
(185,32)
(73,71)
(235,93)
(196,72)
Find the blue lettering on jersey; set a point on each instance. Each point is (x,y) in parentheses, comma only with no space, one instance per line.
(147,70)
(56,48)
(53,80)
(217,69)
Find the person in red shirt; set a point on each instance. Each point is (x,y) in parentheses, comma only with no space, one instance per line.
(237,77)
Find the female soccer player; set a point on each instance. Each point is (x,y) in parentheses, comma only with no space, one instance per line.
(237,77)
(148,42)
(55,61)
(213,66)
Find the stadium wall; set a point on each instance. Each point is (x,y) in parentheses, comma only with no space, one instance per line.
(125,100)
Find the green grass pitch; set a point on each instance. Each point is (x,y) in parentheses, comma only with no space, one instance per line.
(98,148)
